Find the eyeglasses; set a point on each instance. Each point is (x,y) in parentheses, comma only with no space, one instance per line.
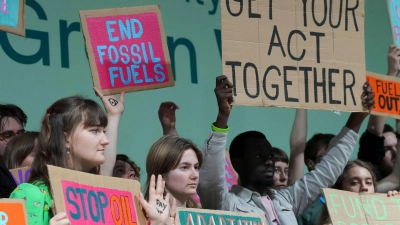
(280,172)
(7,135)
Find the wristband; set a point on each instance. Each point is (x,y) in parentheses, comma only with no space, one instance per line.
(219,130)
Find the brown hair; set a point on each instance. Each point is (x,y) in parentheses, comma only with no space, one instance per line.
(18,148)
(165,155)
(279,155)
(125,158)
(338,185)
(315,143)
(61,119)
(9,110)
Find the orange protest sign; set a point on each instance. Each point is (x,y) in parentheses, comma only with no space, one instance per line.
(387,94)
(12,212)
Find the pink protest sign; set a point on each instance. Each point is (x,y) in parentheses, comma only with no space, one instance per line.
(94,199)
(127,49)
(91,204)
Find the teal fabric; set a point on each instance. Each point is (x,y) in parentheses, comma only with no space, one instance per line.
(312,215)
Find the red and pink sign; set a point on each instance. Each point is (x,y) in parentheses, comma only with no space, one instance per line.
(127,49)
(86,204)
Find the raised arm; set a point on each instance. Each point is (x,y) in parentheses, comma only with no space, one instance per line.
(114,108)
(304,192)
(392,182)
(166,114)
(212,187)
(377,123)
(298,139)
(373,137)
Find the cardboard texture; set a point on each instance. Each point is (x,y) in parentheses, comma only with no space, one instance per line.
(185,216)
(12,16)
(349,208)
(21,175)
(94,199)
(394,17)
(127,49)
(387,95)
(294,53)
(13,212)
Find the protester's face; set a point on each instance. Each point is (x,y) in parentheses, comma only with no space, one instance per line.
(258,166)
(10,124)
(87,147)
(390,144)
(182,181)
(122,169)
(280,175)
(358,179)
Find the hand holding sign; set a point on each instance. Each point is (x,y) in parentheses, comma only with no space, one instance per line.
(393,193)
(368,96)
(393,60)
(158,208)
(60,219)
(113,105)
(223,92)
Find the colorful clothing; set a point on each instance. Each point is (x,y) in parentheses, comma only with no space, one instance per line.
(269,206)
(38,202)
(313,214)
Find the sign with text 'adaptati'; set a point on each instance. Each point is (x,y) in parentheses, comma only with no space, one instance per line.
(127,49)
(94,199)
(294,53)
(186,216)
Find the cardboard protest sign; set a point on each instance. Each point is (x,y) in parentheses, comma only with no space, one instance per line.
(294,53)
(347,208)
(394,17)
(95,199)
(387,94)
(127,49)
(12,16)
(186,216)
(13,212)
(21,175)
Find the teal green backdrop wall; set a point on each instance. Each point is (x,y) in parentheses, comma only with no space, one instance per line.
(50,63)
